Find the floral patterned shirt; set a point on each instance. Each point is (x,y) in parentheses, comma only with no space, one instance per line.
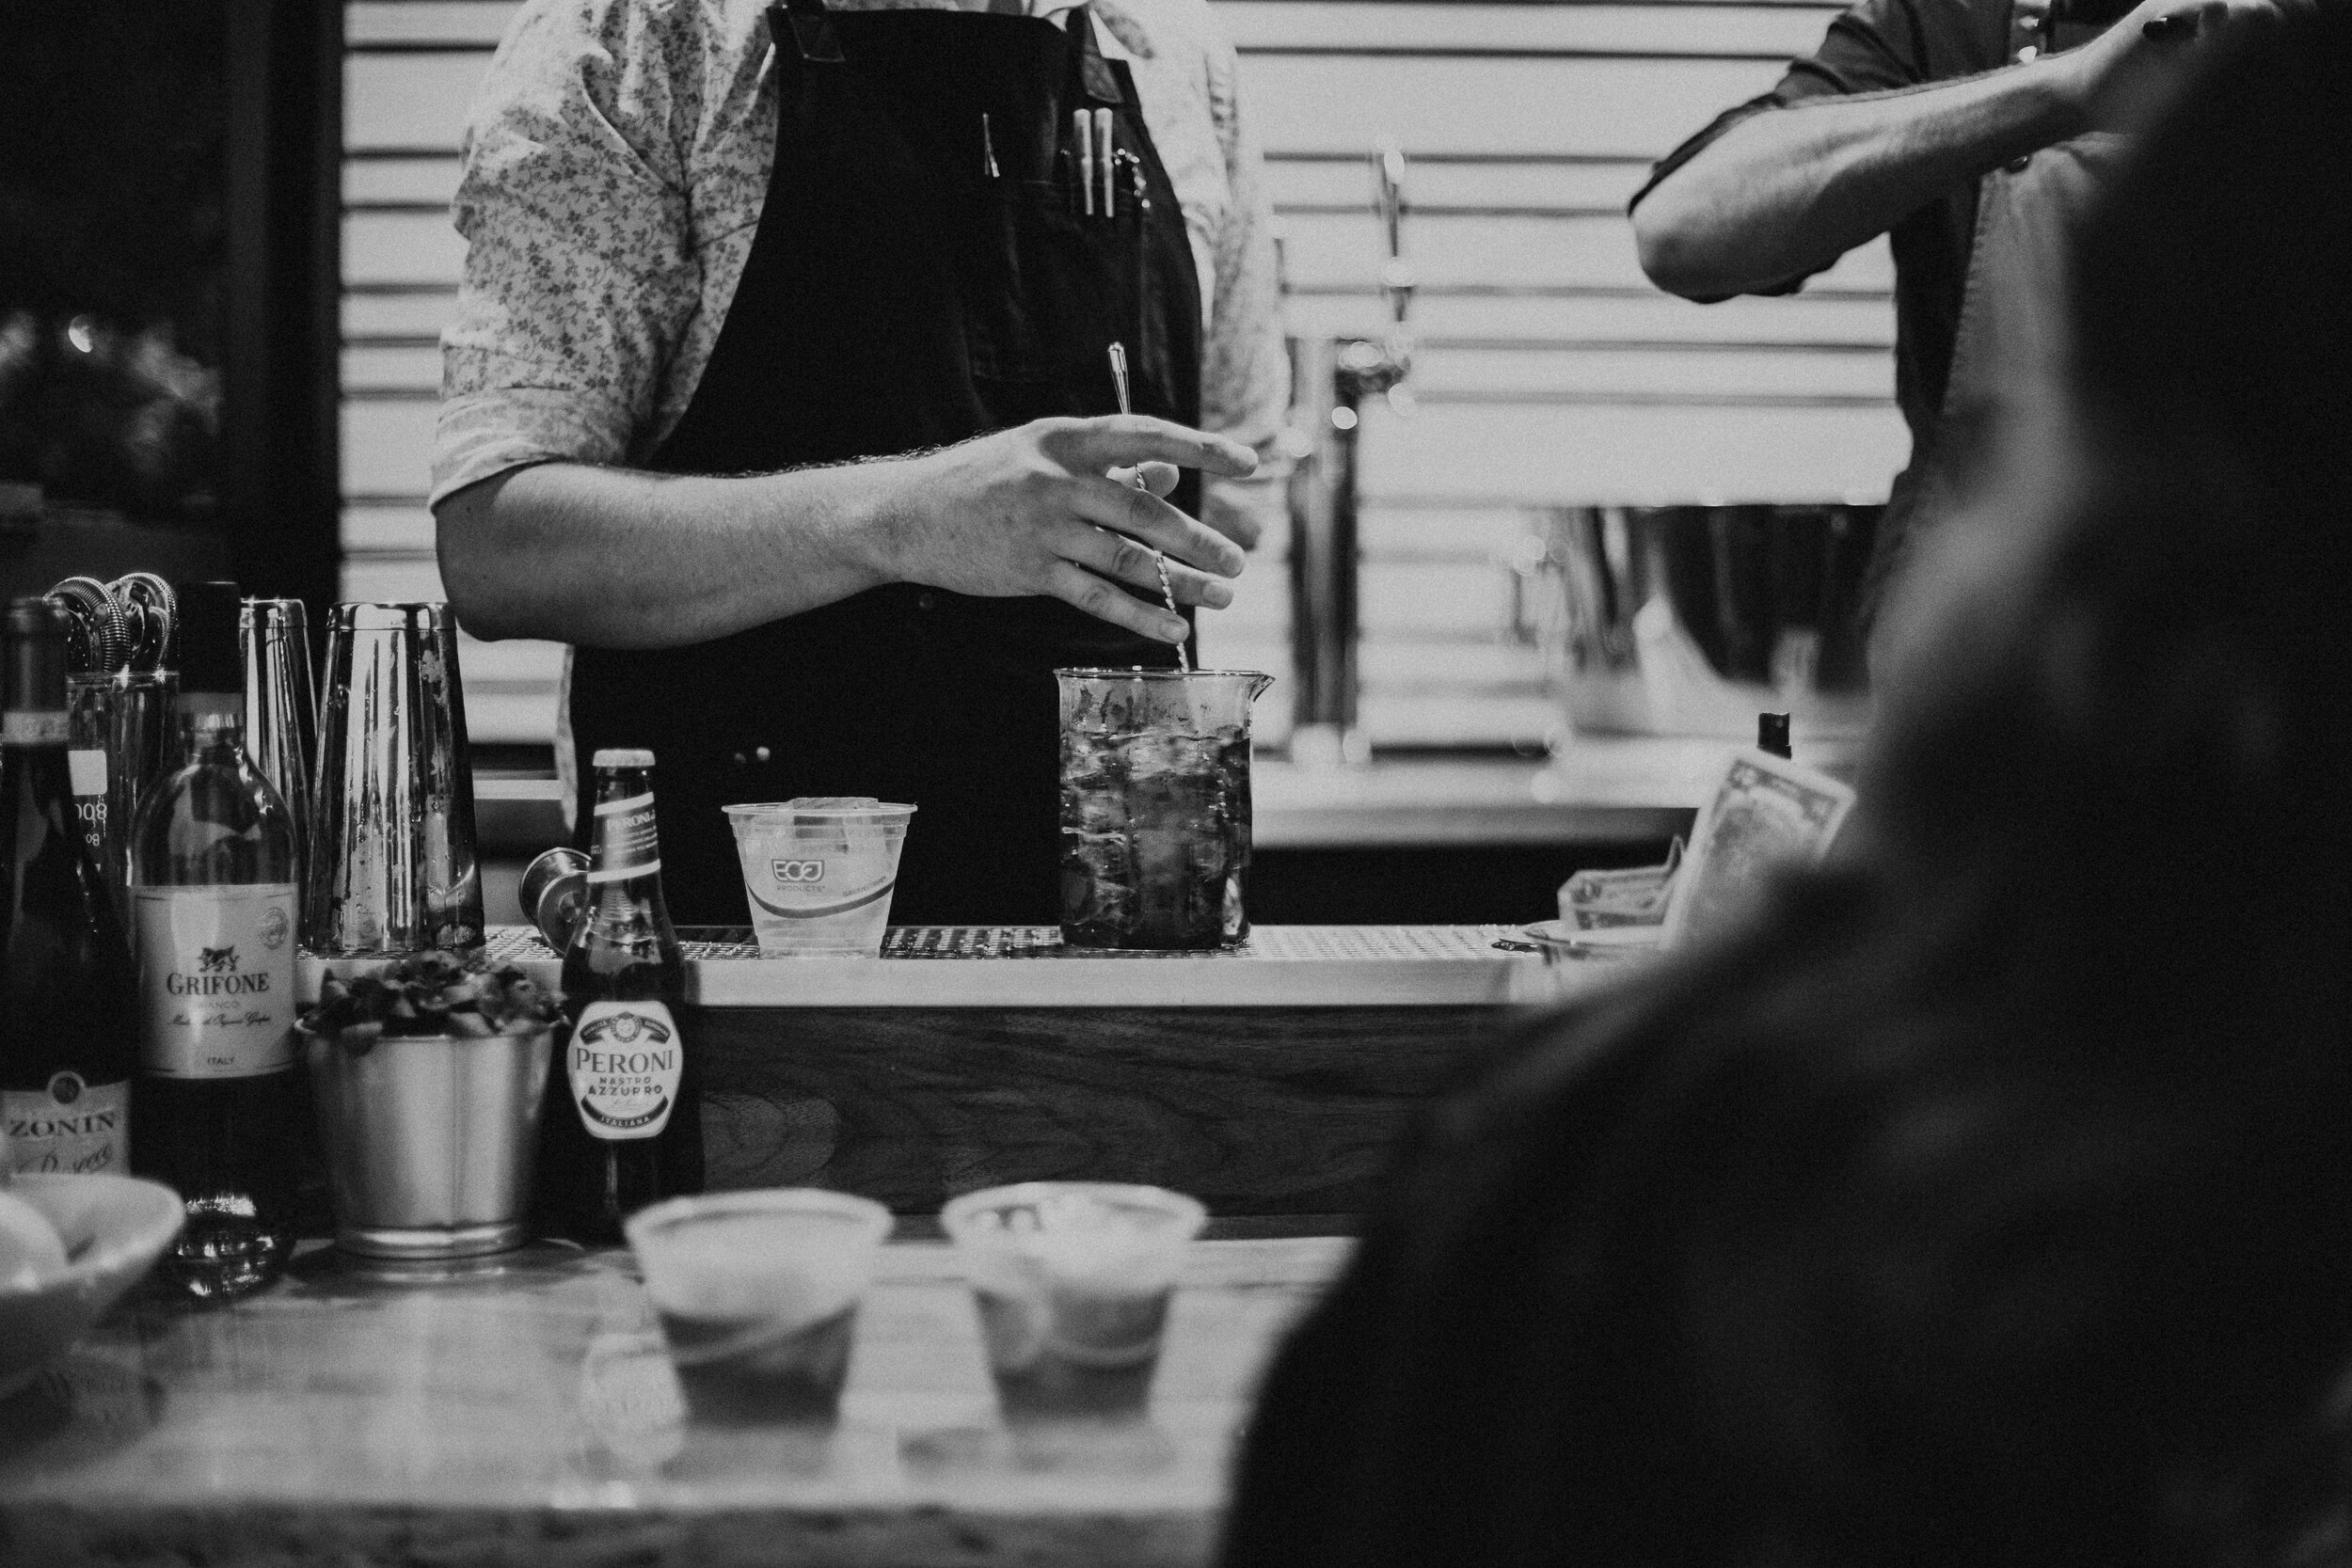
(616,159)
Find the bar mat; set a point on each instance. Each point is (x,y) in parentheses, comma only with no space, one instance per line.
(1365,943)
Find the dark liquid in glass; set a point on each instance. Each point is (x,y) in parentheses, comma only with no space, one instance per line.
(1072,1355)
(1156,838)
(742,1371)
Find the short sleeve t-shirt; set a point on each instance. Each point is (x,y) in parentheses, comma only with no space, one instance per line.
(1887,46)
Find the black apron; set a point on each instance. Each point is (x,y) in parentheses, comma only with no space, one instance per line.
(911,283)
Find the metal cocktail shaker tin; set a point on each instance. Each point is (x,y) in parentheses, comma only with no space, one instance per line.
(281,716)
(554,894)
(392,864)
(430,1140)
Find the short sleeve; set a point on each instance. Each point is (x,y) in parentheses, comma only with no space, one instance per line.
(580,272)
(1877,46)
(1245,362)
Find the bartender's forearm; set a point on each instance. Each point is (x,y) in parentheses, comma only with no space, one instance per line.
(1787,192)
(622,558)
(619,559)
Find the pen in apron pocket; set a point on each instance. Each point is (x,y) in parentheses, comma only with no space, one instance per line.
(1085,132)
(1103,160)
(988,150)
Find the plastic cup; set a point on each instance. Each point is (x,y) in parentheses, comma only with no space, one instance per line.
(818,871)
(1072,1281)
(757,1294)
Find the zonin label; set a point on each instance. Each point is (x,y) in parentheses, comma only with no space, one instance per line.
(67,1125)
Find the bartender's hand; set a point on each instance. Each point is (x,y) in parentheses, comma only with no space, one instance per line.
(1051,508)
(2122,76)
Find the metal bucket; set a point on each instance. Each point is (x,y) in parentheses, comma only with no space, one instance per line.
(1691,620)
(430,1140)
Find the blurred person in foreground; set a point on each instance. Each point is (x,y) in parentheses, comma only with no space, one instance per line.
(1988,1200)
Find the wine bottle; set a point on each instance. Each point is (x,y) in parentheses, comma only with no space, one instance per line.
(214,918)
(87,714)
(68,1023)
(622,1126)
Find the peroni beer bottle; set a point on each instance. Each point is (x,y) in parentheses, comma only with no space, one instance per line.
(622,1126)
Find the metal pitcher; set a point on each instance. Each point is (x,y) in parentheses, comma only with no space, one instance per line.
(392,864)
(281,717)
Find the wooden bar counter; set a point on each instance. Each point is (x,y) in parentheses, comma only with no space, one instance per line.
(525,1416)
(1270,1083)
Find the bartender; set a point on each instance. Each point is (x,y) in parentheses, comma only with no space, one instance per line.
(779,388)
(1970,131)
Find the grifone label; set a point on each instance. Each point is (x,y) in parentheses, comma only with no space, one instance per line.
(216,980)
(624,1062)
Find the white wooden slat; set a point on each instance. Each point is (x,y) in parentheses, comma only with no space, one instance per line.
(519,662)
(409,101)
(1686,29)
(1440,373)
(1460,718)
(502,719)
(1593,455)
(1385,534)
(387,446)
(481,21)
(1319,253)
(401,247)
(1525,252)
(416,369)
(1695,29)
(1473,453)
(1642,316)
(1634,109)
(371,316)
(1539,374)
(386,530)
(1485,664)
(1454,598)
(376,369)
(1628,108)
(403,180)
(1430,183)
(395,581)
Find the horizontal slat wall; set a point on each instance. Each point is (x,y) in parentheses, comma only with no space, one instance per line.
(1547,368)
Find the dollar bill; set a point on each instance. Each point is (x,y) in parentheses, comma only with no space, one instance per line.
(1631,895)
(1767,813)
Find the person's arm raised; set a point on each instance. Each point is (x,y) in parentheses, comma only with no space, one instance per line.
(1787,192)
(617,558)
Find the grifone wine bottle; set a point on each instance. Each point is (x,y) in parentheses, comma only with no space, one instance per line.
(214,918)
(68,1025)
(622,1126)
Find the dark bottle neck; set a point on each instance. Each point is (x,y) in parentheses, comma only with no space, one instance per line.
(211,719)
(627,845)
(37,731)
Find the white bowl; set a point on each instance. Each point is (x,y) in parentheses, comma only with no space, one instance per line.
(114,1228)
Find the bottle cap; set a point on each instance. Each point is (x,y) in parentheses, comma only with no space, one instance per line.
(621,756)
(210,659)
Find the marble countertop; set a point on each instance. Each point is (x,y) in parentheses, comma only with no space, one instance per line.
(526,1415)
